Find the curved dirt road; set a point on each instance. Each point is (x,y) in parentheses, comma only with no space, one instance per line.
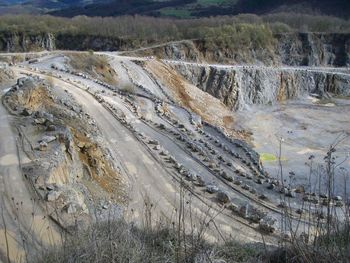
(23,221)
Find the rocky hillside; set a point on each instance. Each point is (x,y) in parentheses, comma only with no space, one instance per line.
(24,42)
(294,49)
(72,163)
(239,87)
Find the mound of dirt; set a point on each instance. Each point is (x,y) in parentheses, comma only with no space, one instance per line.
(68,163)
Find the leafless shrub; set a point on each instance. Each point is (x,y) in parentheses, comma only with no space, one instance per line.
(327,234)
(155,241)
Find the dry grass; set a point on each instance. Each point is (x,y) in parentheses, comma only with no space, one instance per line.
(118,241)
(95,65)
(324,239)
(6,75)
(163,240)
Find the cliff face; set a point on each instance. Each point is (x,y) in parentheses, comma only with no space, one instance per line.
(13,42)
(306,49)
(295,49)
(239,87)
(86,42)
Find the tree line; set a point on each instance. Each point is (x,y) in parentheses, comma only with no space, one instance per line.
(167,29)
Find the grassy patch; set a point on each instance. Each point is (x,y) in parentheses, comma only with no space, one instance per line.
(268,157)
(216,2)
(176,12)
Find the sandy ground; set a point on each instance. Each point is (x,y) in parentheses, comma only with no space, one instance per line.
(23,221)
(149,181)
(308,127)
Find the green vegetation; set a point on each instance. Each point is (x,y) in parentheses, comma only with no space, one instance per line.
(236,35)
(244,36)
(216,2)
(268,157)
(166,29)
(240,33)
(176,12)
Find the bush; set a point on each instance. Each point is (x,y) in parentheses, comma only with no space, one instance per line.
(239,36)
(117,241)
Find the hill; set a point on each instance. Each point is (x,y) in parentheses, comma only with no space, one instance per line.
(42,6)
(205,8)
(174,8)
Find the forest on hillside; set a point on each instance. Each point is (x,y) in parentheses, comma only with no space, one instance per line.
(167,29)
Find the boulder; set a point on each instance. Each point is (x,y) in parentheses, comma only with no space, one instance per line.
(178,166)
(212,189)
(196,120)
(154,142)
(48,139)
(252,213)
(252,191)
(160,109)
(338,198)
(191,177)
(267,224)
(271,186)
(339,204)
(164,153)
(222,197)
(237,182)
(156,147)
(246,187)
(42,146)
(39,121)
(26,112)
(200,182)
(227,177)
(233,207)
(73,208)
(51,128)
(290,194)
(263,197)
(53,195)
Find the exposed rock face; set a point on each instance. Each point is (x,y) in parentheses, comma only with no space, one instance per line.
(306,49)
(239,87)
(23,42)
(295,49)
(86,42)
(66,160)
(13,42)
(186,50)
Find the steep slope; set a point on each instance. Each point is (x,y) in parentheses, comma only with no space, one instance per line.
(294,49)
(241,86)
